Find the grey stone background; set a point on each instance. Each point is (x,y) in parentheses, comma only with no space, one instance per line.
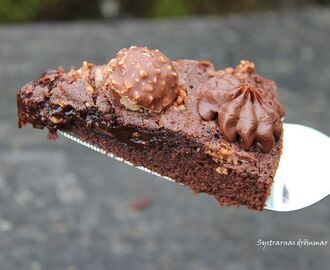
(66,207)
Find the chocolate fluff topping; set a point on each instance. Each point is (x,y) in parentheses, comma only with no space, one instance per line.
(143,78)
(244,105)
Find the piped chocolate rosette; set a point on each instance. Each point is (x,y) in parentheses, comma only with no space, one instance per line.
(244,105)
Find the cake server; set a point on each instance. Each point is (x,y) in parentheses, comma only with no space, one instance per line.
(301,178)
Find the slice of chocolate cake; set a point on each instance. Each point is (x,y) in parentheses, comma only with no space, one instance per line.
(215,131)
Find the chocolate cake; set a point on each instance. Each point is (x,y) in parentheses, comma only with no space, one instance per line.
(215,131)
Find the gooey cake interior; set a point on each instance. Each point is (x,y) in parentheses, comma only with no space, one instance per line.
(215,131)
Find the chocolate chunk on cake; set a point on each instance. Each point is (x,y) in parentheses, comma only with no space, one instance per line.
(215,131)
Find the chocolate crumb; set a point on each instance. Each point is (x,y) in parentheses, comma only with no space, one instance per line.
(141,203)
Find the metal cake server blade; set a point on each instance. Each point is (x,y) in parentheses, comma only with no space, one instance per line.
(111,155)
(302,177)
(300,180)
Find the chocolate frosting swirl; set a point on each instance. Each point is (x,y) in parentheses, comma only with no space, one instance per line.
(244,105)
(143,78)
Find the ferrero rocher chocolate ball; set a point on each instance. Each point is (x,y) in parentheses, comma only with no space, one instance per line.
(143,78)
